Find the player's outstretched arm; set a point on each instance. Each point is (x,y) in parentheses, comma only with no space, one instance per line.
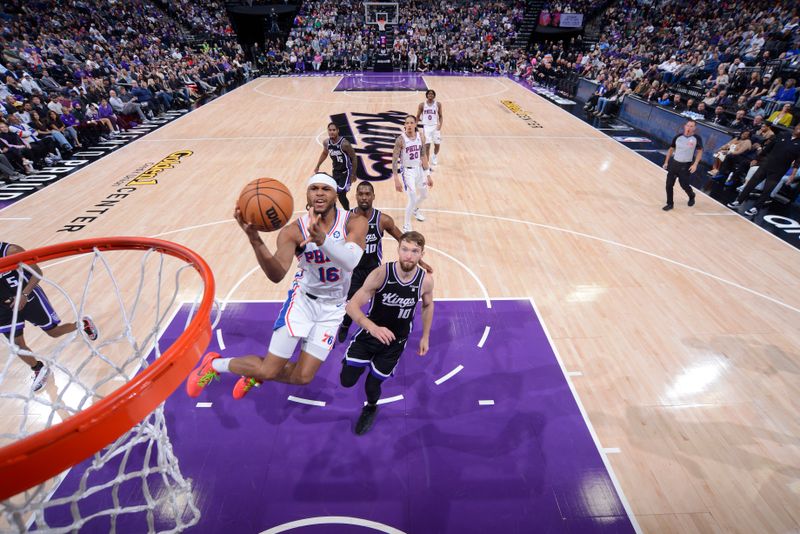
(419,112)
(424,154)
(441,116)
(374,281)
(351,153)
(427,314)
(321,159)
(349,253)
(398,147)
(388,225)
(275,266)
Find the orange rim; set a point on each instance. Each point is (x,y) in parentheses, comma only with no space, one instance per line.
(36,458)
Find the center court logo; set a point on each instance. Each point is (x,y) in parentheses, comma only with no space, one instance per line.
(521,113)
(374,143)
(129,185)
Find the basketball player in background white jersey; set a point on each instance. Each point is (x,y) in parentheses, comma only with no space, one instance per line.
(413,178)
(327,244)
(429,114)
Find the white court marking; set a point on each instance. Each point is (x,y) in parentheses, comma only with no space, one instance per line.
(333,520)
(309,402)
(485,335)
(731,214)
(220,341)
(611,450)
(536,225)
(449,375)
(700,191)
(245,138)
(383,97)
(622,245)
(388,400)
(488,402)
(308,137)
(84,170)
(574,373)
(625,504)
(204,405)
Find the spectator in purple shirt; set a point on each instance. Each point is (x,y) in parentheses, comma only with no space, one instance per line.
(69,132)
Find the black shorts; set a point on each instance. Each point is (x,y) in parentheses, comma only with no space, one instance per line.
(366,350)
(38,311)
(342,180)
(357,280)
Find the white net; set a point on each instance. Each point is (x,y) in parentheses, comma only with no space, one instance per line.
(134,484)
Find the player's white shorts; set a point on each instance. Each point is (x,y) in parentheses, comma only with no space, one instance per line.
(413,179)
(432,134)
(314,321)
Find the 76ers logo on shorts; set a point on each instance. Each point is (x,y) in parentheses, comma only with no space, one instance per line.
(327,339)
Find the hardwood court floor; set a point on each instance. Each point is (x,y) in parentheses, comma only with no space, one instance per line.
(683,326)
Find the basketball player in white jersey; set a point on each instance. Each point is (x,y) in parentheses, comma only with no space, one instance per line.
(429,114)
(328,244)
(409,151)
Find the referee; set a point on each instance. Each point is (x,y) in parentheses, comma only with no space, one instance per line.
(682,158)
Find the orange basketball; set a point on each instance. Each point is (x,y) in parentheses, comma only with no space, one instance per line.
(266,204)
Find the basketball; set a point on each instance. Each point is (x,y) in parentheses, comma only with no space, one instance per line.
(266,204)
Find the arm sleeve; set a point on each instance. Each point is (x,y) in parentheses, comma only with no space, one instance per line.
(345,254)
(699,142)
(672,145)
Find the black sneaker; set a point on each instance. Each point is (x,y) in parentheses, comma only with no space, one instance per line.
(341,335)
(667,207)
(691,202)
(366,419)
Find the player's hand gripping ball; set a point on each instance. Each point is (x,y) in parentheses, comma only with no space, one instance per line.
(266,204)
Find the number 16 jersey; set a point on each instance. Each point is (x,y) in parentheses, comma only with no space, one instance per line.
(318,275)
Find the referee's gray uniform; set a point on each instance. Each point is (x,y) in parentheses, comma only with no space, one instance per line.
(683,148)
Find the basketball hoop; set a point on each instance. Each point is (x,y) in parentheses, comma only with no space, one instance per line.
(381,24)
(134,410)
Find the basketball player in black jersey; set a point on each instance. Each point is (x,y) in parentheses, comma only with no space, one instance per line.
(378,223)
(344,162)
(34,307)
(394,290)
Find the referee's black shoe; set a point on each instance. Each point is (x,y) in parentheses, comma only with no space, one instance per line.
(366,419)
(667,207)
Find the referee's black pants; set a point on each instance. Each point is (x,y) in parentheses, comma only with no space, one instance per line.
(679,171)
(770,177)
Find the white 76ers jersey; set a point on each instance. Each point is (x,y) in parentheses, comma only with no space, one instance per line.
(412,151)
(430,114)
(318,274)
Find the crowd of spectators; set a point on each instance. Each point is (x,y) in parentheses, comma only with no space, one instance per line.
(733,65)
(709,60)
(330,35)
(73,73)
(202,17)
